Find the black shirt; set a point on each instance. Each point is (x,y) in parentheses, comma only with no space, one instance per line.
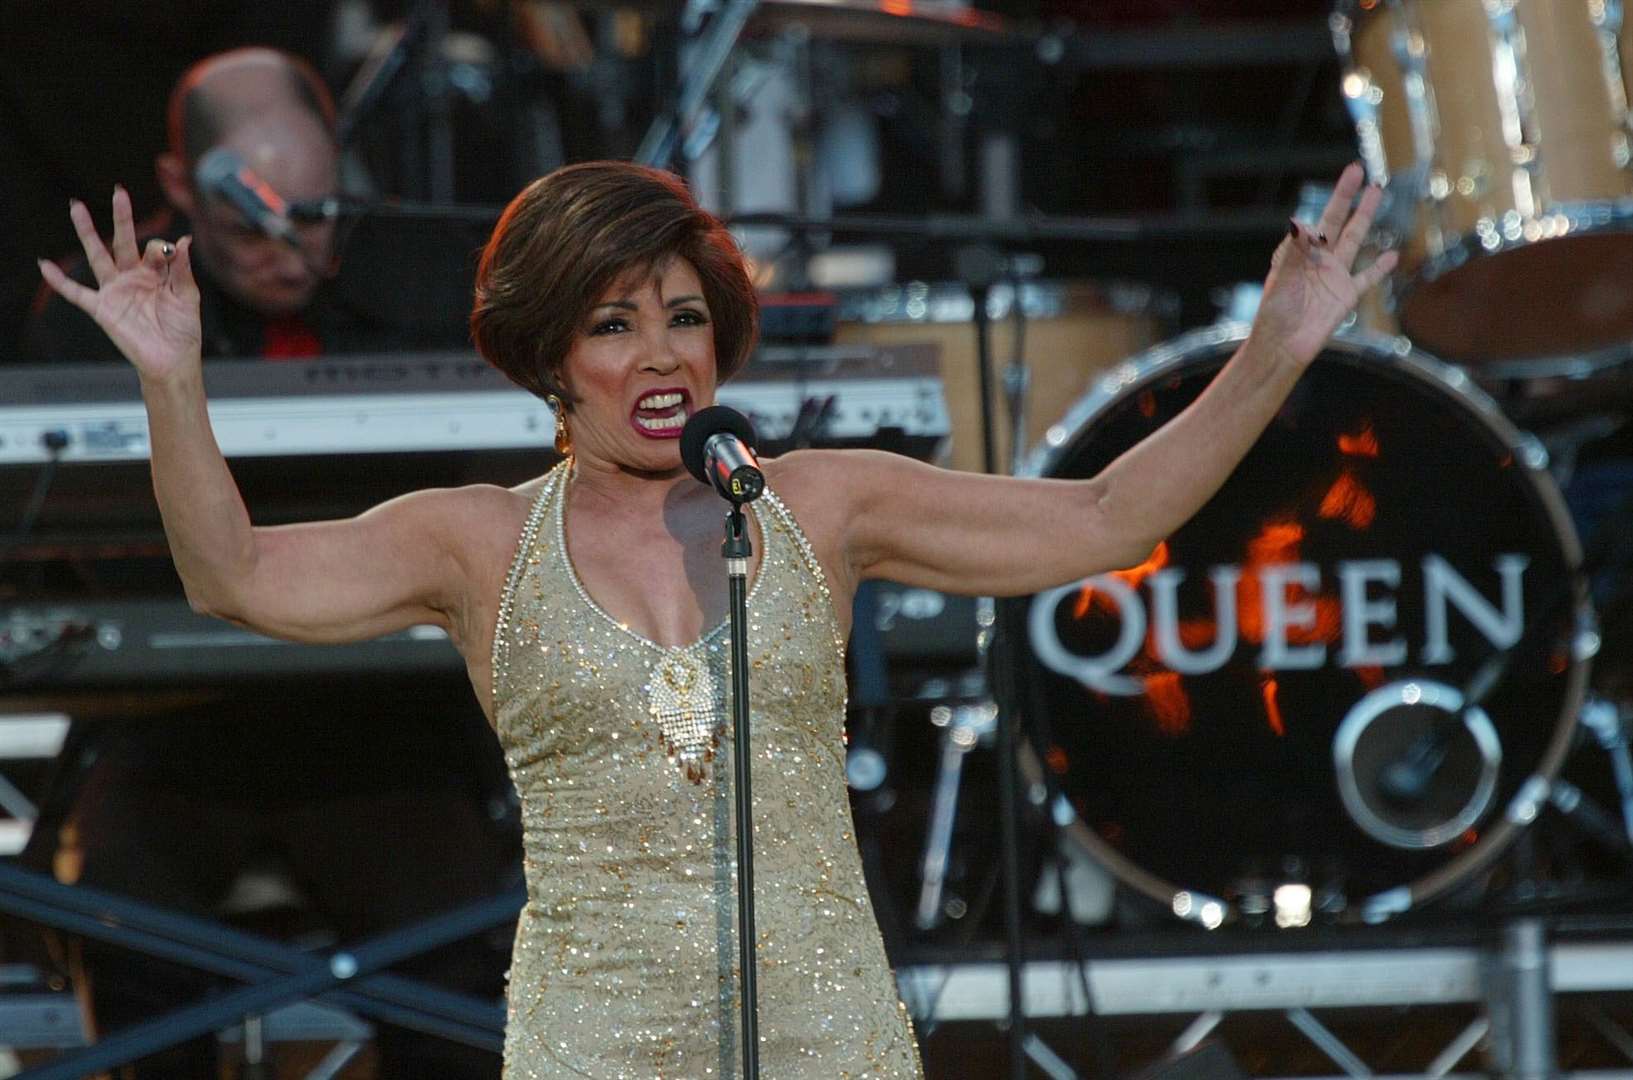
(60,332)
(386,297)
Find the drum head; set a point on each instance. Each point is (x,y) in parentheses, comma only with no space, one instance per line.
(1565,296)
(1275,698)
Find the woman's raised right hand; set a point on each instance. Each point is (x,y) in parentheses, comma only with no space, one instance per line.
(146,302)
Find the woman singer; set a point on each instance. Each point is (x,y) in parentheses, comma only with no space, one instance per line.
(587,603)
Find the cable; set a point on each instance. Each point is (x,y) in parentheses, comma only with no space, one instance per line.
(55,443)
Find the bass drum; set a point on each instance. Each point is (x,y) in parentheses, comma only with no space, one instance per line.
(1264,720)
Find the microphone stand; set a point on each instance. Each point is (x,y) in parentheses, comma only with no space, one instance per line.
(982,267)
(736,550)
(419,43)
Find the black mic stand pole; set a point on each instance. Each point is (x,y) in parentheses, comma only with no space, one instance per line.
(737,549)
(981,268)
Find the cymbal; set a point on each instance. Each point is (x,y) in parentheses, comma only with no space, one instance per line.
(887,22)
(884,22)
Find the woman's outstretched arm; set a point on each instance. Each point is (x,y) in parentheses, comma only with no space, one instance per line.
(392,567)
(986,535)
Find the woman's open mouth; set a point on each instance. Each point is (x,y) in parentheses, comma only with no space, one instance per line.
(661,414)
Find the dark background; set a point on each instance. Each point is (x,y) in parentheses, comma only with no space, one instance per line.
(1212,111)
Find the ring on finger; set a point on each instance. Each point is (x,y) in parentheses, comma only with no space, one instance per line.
(168,250)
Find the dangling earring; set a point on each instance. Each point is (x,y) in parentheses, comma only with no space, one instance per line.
(564,438)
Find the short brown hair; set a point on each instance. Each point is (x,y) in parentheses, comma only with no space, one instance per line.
(573,234)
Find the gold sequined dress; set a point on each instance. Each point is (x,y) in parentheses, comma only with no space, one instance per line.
(620,749)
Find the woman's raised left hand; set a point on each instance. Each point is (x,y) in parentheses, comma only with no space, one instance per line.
(1313,283)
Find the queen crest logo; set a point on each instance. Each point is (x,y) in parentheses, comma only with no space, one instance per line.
(1294,614)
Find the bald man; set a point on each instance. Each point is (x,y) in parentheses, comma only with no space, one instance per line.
(260,297)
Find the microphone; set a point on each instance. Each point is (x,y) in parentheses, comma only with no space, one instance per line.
(221,173)
(980,267)
(717,447)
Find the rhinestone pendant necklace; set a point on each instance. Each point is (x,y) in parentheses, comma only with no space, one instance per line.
(688,703)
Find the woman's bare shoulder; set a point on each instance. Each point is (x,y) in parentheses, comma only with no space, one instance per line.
(800,477)
(481,525)
(800,468)
(480,517)
(818,487)
(824,480)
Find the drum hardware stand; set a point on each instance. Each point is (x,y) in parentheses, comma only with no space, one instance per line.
(37,1014)
(697,81)
(981,267)
(965,727)
(1613,834)
(1588,816)
(1606,722)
